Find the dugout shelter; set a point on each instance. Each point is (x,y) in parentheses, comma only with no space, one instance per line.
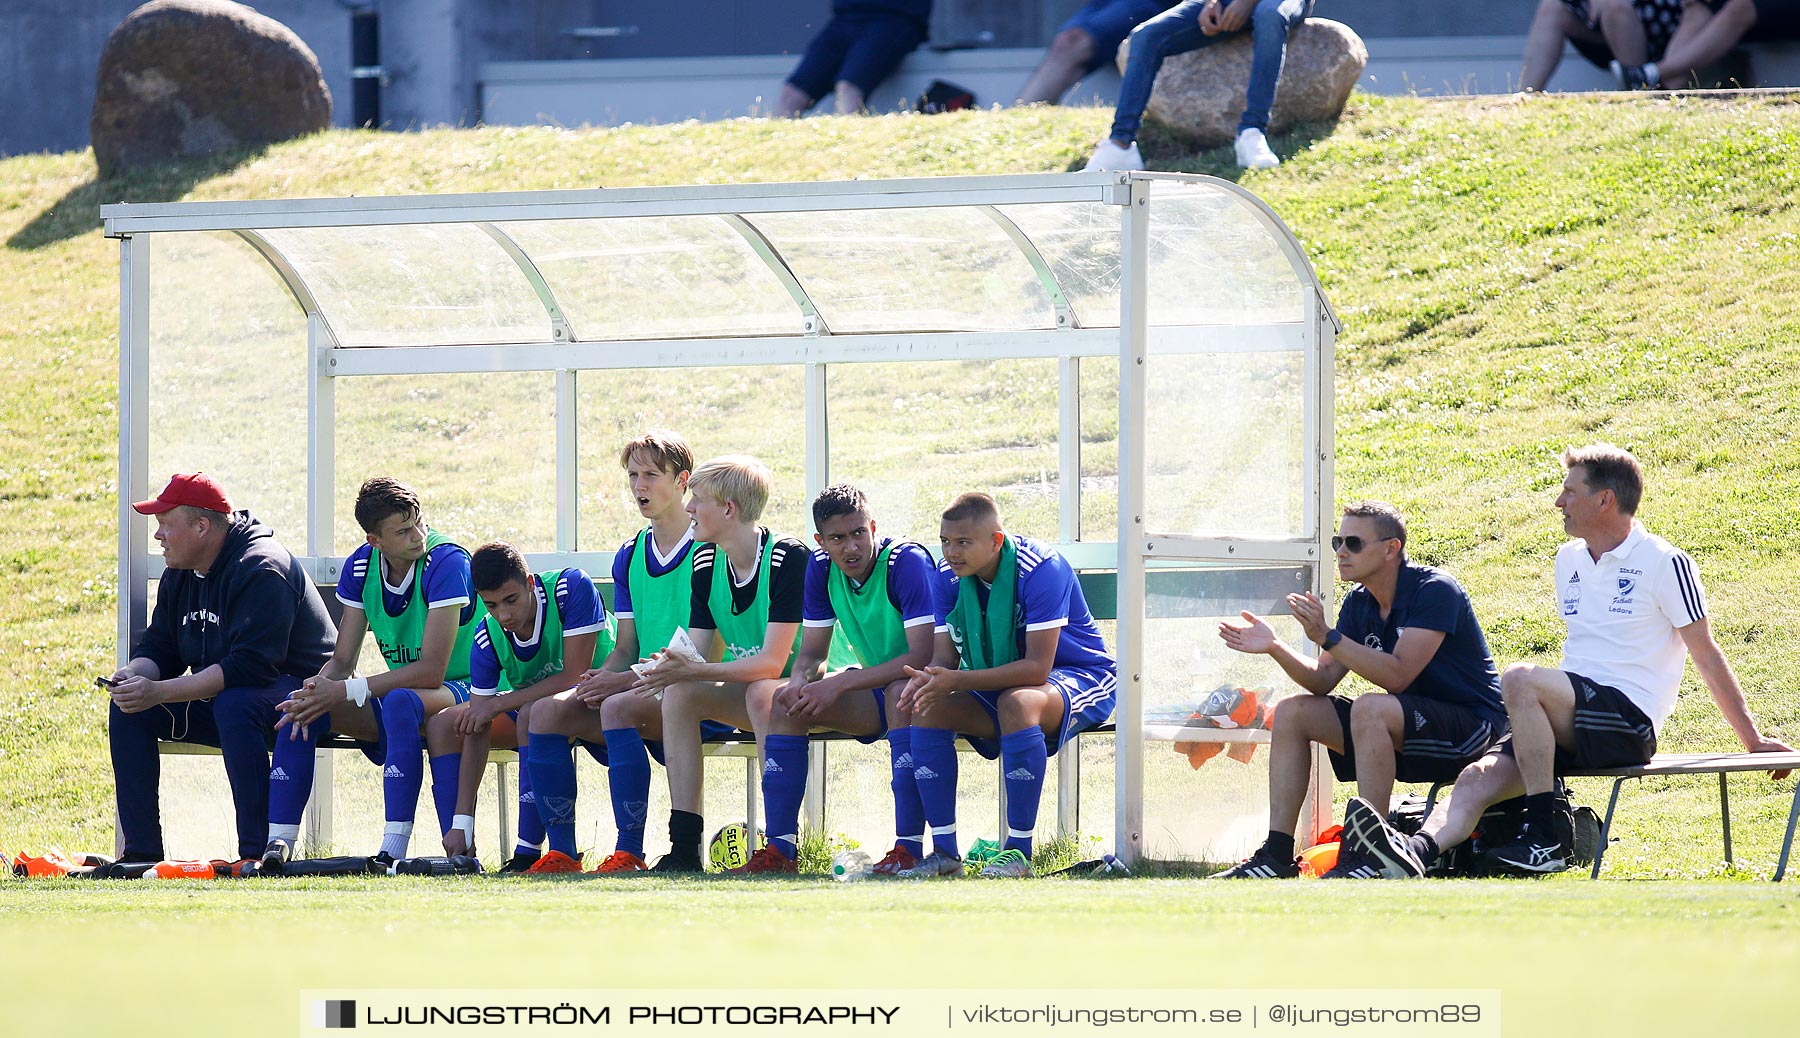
(1138,365)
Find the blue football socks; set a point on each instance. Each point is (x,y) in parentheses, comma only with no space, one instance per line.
(291,772)
(553,784)
(446,772)
(783,787)
(402,767)
(628,777)
(909,811)
(531,825)
(1023,761)
(934,772)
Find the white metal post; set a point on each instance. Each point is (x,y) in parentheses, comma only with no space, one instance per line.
(568,443)
(134,451)
(1068,762)
(1321,369)
(1128,825)
(321,486)
(818,477)
(134,438)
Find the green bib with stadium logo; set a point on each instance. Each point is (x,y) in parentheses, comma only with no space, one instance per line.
(868,621)
(659,605)
(517,673)
(988,637)
(744,632)
(402,638)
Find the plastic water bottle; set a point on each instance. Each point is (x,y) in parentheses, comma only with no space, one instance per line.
(850,866)
(181,870)
(1110,865)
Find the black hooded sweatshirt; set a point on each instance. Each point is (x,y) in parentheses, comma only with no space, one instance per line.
(255,613)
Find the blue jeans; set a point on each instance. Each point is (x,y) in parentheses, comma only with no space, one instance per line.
(1177,31)
(240,721)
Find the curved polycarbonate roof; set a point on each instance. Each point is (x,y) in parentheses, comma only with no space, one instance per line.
(986,254)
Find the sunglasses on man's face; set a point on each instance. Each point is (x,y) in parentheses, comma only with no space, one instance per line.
(1354,543)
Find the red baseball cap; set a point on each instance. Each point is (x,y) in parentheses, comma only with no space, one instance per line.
(196,489)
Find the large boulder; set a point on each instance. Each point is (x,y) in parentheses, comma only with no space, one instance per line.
(193,77)
(1200,95)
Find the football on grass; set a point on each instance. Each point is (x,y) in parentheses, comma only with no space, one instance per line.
(732,845)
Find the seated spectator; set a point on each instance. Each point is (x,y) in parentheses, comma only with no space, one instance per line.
(1708,31)
(1606,32)
(1188,26)
(1088,40)
(238,625)
(861,46)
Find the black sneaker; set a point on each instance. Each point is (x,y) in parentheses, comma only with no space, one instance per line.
(677,863)
(275,855)
(1262,865)
(521,861)
(1351,865)
(1367,835)
(381,863)
(1537,850)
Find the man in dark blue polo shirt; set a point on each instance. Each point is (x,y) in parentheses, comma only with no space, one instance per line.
(1410,631)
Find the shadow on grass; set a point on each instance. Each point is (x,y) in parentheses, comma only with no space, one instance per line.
(78,212)
(1165,151)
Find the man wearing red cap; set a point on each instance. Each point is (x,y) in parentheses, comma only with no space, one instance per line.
(237,626)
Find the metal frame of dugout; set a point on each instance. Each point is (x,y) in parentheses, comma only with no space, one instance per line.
(1158,274)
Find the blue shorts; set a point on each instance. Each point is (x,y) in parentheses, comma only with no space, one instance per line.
(1108,22)
(862,48)
(377,750)
(1089,695)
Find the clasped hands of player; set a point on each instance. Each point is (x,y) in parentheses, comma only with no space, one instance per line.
(925,688)
(315,698)
(809,699)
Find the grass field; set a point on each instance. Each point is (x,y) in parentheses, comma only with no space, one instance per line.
(1514,276)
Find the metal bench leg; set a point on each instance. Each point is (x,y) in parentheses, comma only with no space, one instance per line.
(1000,775)
(1725,816)
(1068,788)
(1787,842)
(815,787)
(319,806)
(752,790)
(503,804)
(1431,797)
(1606,829)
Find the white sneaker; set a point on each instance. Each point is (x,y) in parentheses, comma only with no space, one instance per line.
(1253,151)
(1108,155)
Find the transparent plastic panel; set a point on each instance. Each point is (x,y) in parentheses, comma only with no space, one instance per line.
(228,377)
(757,411)
(1223,444)
(1212,261)
(1099,449)
(480,450)
(913,436)
(1080,242)
(415,285)
(1205,799)
(880,270)
(653,278)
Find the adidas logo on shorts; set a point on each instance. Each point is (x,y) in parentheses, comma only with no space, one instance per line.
(278,775)
(1589,692)
(770,767)
(1020,775)
(393,771)
(1418,721)
(925,773)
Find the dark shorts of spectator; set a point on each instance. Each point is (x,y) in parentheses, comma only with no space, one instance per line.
(1440,739)
(1108,22)
(1610,731)
(1775,19)
(1659,17)
(862,49)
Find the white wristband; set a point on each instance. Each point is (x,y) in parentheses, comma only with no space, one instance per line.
(467,824)
(357,689)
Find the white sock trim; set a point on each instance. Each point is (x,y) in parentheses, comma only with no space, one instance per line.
(290,833)
(943,830)
(398,829)
(910,839)
(1020,834)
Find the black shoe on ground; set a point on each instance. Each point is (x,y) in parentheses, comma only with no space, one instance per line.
(1351,865)
(1262,865)
(275,855)
(520,862)
(381,863)
(1368,835)
(1537,850)
(673,863)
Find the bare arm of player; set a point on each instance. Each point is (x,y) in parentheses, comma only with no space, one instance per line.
(1710,661)
(819,695)
(767,662)
(809,664)
(614,673)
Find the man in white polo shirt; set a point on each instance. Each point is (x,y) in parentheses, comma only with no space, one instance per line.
(1634,609)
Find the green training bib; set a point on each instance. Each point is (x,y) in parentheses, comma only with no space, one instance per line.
(659,605)
(402,637)
(549,659)
(744,632)
(866,619)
